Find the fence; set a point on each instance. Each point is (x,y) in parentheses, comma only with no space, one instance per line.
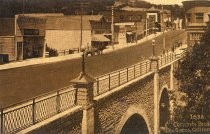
(27,113)
(67,51)
(112,80)
(30,112)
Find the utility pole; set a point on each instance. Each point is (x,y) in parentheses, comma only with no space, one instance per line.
(82,5)
(136,32)
(146,26)
(23,7)
(164,40)
(81,15)
(112,27)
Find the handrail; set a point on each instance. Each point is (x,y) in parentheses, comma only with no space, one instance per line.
(36,109)
(49,104)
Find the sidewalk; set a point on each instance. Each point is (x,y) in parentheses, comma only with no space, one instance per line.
(37,61)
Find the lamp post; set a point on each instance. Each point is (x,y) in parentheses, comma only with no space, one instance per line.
(153,48)
(153,30)
(83,58)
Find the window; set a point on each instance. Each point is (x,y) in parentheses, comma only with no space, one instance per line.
(121,17)
(188,17)
(31,31)
(196,36)
(199,17)
(1,48)
(139,18)
(130,17)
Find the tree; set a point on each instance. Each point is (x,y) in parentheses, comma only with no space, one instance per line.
(193,75)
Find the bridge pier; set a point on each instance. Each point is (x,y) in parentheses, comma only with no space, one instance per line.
(84,98)
(172,77)
(155,68)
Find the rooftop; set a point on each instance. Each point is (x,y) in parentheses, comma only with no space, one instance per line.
(7,26)
(71,22)
(128,8)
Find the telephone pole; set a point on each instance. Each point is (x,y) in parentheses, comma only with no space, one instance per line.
(164,40)
(23,7)
(112,27)
(82,5)
(81,15)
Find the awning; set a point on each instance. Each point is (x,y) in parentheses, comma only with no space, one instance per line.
(99,38)
(129,33)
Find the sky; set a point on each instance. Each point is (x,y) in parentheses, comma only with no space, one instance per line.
(166,1)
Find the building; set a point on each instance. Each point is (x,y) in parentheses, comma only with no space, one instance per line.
(162,17)
(22,37)
(64,32)
(197,15)
(129,24)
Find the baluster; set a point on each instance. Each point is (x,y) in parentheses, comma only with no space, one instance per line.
(167,58)
(127,74)
(33,111)
(119,77)
(146,66)
(2,117)
(140,69)
(97,86)
(58,106)
(109,82)
(134,71)
(75,100)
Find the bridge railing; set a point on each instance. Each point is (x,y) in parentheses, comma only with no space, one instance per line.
(163,60)
(27,113)
(112,80)
(22,115)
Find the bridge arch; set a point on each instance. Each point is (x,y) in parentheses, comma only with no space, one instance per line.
(134,120)
(164,106)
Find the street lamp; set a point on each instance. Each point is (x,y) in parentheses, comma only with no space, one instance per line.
(153,29)
(153,48)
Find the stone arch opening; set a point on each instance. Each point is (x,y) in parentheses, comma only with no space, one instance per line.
(164,111)
(135,125)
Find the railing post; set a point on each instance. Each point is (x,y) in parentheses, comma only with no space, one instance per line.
(161,61)
(140,69)
(165,59)
(155,69)
(109,82)
(33,111)
(97,81)
(2,117)
(127,74)
(58,106)
(75,101)
(134,71)
(146,66)
(119,78)
(85,98)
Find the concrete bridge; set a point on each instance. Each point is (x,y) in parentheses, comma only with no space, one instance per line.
(133,99)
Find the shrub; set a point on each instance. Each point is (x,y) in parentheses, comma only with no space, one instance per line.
(52,52)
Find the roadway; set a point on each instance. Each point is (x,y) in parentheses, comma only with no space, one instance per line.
(18,84)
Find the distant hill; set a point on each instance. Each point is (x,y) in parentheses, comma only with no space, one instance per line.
(8,8)
(139,3)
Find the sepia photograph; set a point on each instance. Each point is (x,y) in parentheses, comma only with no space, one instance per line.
(104,66)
